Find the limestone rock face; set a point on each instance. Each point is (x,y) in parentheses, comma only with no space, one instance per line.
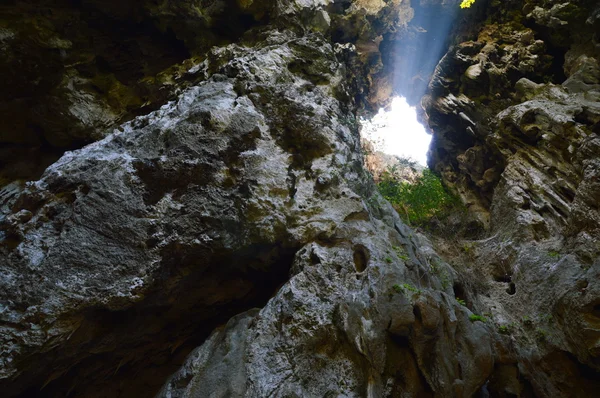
(73,70)
(194,218)
(379,163)
(126,253)
(515,119)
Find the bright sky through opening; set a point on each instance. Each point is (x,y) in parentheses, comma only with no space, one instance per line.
(397,132)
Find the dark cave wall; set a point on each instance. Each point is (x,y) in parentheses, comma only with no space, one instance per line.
(514,112)
(169,166)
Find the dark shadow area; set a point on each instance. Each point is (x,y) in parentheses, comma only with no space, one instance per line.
(459,293)
(556,72)
(361,258)
(403,369)
(511,289)
(131,353)
(74,69)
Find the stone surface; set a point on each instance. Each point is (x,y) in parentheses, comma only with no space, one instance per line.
(128,251)
(515,120)
(222,237)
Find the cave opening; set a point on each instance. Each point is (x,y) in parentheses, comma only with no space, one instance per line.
(413,53)
(397,132)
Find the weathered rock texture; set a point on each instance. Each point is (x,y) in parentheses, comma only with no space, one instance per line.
(379,163)
(515,116)
(127,252)
(230,243)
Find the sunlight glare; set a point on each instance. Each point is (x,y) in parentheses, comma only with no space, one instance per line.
(397,132)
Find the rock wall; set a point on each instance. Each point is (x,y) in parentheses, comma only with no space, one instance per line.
(515,114)
(221,236)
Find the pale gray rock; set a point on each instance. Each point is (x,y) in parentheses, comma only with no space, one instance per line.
(138,245)
(231,244)
(521,149)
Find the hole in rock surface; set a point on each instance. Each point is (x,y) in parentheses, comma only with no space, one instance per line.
(361,258)
(512,288)
(505,278)
(459,292)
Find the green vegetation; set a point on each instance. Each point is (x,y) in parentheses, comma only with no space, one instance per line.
(419,202)
(474,318)
(504,329)
(467,247)
(467,3)
(388,260)
(437,269)
(405,288)
(444,279)
(401,253)
(411,288)
(435,266)
(461,302)
(553,254)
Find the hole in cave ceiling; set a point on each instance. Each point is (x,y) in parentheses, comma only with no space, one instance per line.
(414,53)
(397,132)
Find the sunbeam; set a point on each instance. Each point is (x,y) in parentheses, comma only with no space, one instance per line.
(420,48)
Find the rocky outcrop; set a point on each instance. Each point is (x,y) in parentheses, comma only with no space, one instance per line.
(126,253)
(379,163)
(75,70)
(220,236)
(515,119)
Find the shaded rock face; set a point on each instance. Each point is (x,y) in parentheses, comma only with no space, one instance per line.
(515,119)
(73,70)
(127,252)
(222,238)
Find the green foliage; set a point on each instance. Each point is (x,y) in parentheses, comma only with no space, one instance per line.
(466,3)
(474,318)
(373,202)
(401,253)
(410,288)
(444,280)
(407,162)
(461,302)
(419,202)
(388,260)
(435,267)
(405,288)
(504,329)
(553,254)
